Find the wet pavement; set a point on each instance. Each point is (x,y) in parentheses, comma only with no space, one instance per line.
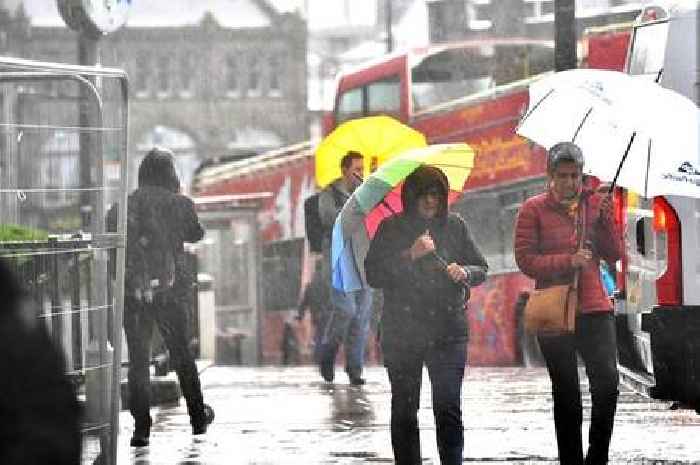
(271,416)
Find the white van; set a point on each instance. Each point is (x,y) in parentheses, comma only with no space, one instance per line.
(658,301)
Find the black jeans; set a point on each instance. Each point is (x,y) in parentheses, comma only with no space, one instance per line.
(595,341)
(445,363)
(169,314)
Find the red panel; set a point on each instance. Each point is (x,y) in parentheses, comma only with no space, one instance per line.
(492,320)
(609,50)
(281,216)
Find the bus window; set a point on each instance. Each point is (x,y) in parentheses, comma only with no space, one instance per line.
(446,76)
(648,47)
(460,72)
(384,96)
(349,105)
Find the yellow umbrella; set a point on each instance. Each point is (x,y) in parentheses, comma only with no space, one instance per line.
(377,138)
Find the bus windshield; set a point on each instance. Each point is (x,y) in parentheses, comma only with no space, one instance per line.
(458,72)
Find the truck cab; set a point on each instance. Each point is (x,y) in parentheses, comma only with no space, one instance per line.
(658,299)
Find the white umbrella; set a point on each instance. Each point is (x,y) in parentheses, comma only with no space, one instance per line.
(632,131)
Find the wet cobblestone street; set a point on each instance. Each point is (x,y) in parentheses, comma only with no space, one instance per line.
(275,416)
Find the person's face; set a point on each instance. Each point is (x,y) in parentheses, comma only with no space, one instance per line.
(566,180)
(429,203)
(353,173)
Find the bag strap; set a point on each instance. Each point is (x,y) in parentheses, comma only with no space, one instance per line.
(581,223)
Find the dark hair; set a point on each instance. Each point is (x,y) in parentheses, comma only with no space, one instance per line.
(422,180)
(351,155)
(158,169)
(564,151)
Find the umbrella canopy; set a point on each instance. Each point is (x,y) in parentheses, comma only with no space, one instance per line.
(377,138)
(378,197)
(632,131)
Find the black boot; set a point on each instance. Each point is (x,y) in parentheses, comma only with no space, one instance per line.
(140,436)
(200,426)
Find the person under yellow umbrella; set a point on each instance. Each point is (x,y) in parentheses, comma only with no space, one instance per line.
(342,159)
(377,138)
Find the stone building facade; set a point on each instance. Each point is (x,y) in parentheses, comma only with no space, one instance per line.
(211,79)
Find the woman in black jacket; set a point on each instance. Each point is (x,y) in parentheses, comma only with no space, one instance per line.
(425,261)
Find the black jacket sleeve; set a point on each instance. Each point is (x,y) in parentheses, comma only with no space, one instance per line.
(472,259)
(192,230)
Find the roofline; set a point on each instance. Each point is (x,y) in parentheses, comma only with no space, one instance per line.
(422,52)
(214,174)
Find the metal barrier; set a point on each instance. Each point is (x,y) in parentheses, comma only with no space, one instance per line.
(63,152)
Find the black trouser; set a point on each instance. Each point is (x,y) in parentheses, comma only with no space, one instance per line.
(169,314)
(445,365)
(595,341)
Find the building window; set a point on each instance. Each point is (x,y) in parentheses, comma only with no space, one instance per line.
(275,70)
(253,76)
(232,81)
(164,80)
(537,9)
(186,82)
(479,14)
(141,74)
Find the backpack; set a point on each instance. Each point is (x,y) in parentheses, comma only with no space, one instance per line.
(312,223)
(315,230)
(150,249)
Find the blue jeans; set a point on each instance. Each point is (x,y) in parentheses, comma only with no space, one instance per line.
(348,324)
(445,363)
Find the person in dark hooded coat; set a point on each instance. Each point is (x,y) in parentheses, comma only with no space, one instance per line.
(424,321)
(38,405)
(159,220)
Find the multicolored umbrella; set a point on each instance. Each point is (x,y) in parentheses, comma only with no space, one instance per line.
(378,197)
(377,138)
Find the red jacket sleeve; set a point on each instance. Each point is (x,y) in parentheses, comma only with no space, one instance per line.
(527,248)
(607,236)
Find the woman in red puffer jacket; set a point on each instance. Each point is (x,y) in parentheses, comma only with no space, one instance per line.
(546,249)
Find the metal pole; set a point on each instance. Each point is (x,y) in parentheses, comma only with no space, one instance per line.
(389,35)
(564,34)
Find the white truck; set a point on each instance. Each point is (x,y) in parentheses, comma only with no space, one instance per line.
(658,299)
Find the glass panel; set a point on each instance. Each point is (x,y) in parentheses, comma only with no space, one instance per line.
(253,76)
(648,49)
(384,96)
(164,74)
(232,74)
(350,105)
(456,73)
(225,259)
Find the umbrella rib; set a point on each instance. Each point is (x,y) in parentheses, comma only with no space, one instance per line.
(527,115)
(583,121)
(624,157)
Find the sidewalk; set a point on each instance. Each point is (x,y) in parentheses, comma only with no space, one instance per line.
(289,416)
